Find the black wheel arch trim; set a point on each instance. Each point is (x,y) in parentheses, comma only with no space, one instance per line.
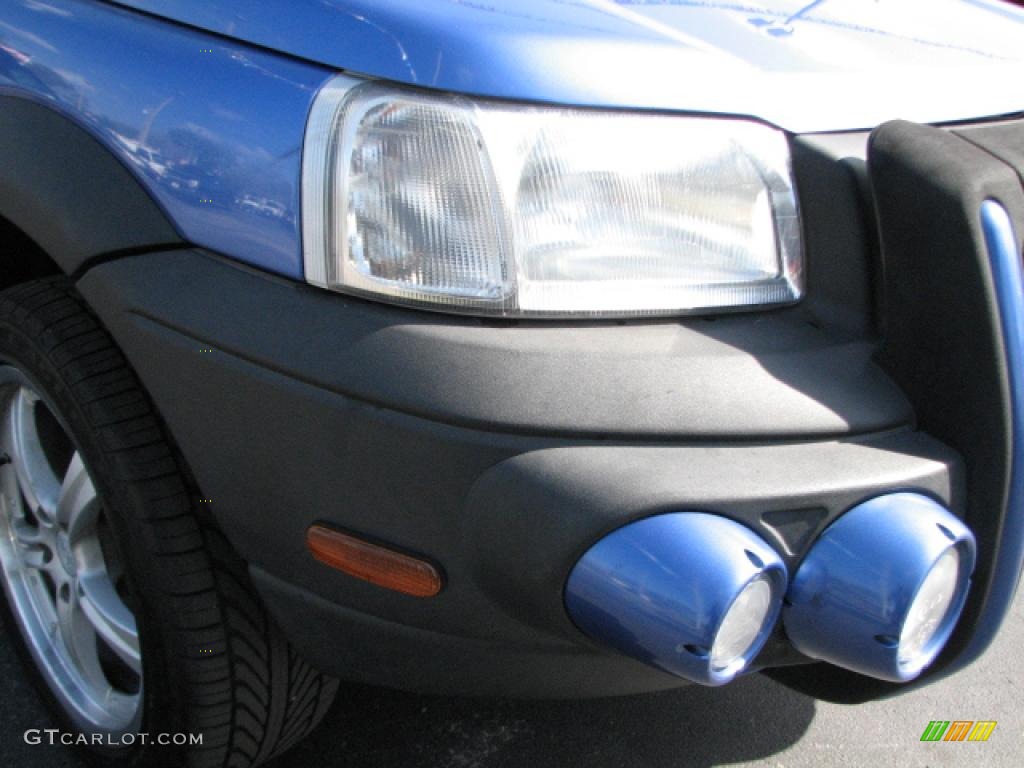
(67,192)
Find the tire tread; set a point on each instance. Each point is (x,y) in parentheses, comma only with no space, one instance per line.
(249,693)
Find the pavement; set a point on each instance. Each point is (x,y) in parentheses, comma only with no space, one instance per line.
(751,722)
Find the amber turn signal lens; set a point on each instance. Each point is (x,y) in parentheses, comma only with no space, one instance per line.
(374,563)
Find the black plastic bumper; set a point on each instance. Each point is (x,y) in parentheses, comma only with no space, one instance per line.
(501,451)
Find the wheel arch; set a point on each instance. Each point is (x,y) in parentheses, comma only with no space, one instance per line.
(62,191)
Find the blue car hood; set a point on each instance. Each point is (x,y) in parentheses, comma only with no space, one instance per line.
(805,66)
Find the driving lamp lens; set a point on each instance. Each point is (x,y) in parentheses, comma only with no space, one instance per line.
(742,624)
(930,606)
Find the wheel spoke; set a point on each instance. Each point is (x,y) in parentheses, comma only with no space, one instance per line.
(37,558)
(76,508)
(36,478)
(110,617)
(26,534)
(34,545)
(79,637)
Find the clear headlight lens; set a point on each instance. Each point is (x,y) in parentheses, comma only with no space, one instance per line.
(490,208)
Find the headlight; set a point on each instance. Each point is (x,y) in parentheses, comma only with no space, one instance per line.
(501,209)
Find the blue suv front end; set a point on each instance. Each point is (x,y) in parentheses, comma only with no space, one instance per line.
(559,349)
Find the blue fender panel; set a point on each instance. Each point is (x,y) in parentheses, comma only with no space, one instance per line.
(211,129)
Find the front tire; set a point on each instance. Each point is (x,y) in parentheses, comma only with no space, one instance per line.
(133,612)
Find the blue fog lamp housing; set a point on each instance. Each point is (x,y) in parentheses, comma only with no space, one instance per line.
(882,588)
(691,593)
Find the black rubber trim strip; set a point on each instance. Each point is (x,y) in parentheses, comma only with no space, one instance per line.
(774,376)
(627,439)
(121,253)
